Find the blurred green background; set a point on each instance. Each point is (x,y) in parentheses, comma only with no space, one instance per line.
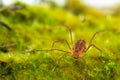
(35,27)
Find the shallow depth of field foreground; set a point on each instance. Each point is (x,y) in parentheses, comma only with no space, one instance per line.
(27,30)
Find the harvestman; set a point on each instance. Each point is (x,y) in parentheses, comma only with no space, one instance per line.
(77,49)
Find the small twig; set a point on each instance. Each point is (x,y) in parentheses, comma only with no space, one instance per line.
(7,46)
(5,25)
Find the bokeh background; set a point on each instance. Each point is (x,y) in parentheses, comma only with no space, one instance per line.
(36,24)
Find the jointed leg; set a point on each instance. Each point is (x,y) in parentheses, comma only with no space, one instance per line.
(61,40)
(52,50)
(47,50)
(69,29)
(94,47)
(95,35)
(58,61)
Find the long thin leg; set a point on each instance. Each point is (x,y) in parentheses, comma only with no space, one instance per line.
(94,47)
(54,49)
(61,40)
(66,52)
(58,61)
(95,35)
(48,50)
(69,29)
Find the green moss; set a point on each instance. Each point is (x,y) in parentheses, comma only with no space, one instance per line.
(36,27)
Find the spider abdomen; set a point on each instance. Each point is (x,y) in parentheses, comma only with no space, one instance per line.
(79,48)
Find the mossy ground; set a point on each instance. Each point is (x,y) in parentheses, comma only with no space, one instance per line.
(36,27)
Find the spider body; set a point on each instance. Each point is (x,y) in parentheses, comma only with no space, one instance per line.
(78,48)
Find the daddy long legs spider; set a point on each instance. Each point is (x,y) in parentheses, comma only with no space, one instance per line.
(78,48)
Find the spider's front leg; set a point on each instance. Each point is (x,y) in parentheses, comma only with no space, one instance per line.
(92,45)
(61,40)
